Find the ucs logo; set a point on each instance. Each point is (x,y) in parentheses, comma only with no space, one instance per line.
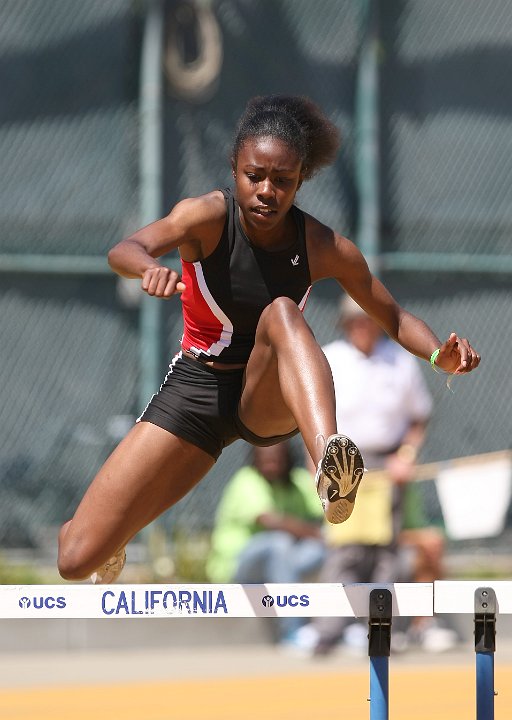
(42,602)
(284,600)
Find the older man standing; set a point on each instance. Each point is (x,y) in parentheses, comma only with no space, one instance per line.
(383,404)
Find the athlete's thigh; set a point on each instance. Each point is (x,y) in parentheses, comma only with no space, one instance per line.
(149,471)
(262,407)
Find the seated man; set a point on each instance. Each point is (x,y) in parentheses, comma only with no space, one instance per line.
(268,526)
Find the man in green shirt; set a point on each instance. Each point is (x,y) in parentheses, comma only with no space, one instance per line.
(268,526)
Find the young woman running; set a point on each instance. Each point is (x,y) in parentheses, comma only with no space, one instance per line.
(249,366)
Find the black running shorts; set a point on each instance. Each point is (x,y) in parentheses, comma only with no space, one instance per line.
(200,404)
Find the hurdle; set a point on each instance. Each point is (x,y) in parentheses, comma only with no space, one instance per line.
(377,602)
(484,603)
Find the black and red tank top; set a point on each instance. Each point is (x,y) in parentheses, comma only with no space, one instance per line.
(227,291)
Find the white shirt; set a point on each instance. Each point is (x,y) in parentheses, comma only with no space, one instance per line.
(377,396)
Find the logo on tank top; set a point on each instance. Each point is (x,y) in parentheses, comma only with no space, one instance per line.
(295,260)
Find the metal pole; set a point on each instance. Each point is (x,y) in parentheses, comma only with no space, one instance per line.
(485,646)
(367,139)
(446,262)
(150,163)
(379,688)
(485,686)
(379,649)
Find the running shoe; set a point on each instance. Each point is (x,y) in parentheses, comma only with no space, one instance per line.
(338,476)
(433,636)
(110,571)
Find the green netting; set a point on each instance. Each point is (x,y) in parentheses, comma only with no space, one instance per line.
(68,380)
(69,142)
(29,26)
(70,183)
(68,124)
(447,126)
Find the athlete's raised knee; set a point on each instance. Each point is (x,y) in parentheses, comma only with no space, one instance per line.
(73,561)
(282,313)
(72,567)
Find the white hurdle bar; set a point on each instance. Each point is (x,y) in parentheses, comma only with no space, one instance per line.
(457,596)
(208,600)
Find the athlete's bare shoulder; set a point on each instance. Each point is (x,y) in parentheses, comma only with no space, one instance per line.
(202,220)
(197,210)
(330,254)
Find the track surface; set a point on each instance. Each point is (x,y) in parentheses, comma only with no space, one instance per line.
(313,692)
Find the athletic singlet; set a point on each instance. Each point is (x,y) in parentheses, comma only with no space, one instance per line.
(227,291)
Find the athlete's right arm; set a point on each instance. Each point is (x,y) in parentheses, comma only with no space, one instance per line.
(194,226)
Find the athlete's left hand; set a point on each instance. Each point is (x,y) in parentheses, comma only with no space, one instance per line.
(457,356)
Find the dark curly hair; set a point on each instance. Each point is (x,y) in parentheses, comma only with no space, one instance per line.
(295,120)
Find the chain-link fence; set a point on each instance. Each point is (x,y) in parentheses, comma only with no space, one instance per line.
(69,139)
(68,124)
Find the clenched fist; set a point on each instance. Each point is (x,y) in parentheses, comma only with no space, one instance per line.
(161,281)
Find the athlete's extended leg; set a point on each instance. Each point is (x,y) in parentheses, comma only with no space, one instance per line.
(288,381)
(288,384)
(148,472)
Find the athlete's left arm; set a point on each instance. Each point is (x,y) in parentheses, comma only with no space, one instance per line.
(332,255)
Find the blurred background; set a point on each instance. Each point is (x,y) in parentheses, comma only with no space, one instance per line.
(113,110)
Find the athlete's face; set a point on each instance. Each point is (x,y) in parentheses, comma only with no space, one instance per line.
(268,174)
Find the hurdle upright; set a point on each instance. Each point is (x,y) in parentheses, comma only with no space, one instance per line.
(485,603)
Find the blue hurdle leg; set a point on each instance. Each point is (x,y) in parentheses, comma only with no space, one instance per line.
(485,646)
(485,686)
(379,647)
(379,688)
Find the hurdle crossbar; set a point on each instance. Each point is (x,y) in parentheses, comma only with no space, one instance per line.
(208,600)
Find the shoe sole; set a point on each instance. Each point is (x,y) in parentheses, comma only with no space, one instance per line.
(110,571)
(343,466)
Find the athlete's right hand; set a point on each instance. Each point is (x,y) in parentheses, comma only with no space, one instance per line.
(162,282)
